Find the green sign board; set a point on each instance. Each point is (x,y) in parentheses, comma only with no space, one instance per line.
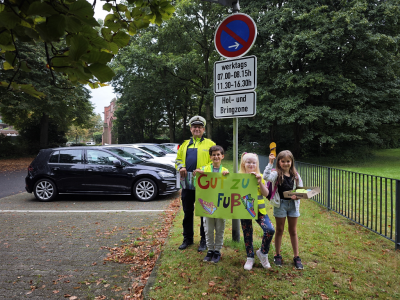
(233,196)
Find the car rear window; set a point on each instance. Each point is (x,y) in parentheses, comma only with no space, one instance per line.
(54,157)
(70,157)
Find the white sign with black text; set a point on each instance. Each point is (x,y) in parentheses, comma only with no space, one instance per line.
(235,75)
(235,105)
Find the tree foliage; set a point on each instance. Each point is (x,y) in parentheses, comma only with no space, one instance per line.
(328,73)
(165,75)
(60,108)
(67,32)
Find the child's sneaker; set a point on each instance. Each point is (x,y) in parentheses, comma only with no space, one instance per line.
(209,255)
(278,260)
(217,256)
(249,263)
(263,259)
(297,263)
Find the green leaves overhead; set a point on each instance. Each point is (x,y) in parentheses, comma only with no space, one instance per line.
(102,72)
(72,45)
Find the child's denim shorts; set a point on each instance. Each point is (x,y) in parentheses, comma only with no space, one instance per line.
(287,209)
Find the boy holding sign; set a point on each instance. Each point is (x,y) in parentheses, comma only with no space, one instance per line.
(214,242)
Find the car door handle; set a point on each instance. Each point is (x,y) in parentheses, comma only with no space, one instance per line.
(55,169)
(90,170)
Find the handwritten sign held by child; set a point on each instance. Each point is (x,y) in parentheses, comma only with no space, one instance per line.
(226,197)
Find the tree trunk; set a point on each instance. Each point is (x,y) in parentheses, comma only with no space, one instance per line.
(44,131)
(171,125)
(185,134)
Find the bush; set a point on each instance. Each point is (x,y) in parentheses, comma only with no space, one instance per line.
(11,147)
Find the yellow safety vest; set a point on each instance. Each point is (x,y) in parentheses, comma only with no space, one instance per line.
(203,146)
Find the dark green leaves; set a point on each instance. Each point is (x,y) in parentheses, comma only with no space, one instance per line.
(102,72)
(71,24)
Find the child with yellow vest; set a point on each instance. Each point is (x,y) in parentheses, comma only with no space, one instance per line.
(214,243)
(249,164)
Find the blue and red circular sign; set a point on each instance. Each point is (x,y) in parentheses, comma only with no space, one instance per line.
(235,35)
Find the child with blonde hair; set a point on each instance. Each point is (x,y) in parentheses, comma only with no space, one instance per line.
(249,164)
(284,178)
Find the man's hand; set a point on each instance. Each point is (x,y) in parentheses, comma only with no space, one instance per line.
(183,172)
(225,173)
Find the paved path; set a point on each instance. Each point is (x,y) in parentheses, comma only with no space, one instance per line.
(49,250)
(12,183)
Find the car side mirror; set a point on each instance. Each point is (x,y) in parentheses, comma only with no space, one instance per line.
(117,164)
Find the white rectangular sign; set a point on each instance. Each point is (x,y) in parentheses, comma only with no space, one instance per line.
(235,105)
(235,75)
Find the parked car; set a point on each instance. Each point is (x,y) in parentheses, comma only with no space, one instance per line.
(173,146)
(90,143)
(155,148)
(95,170)
(142,154)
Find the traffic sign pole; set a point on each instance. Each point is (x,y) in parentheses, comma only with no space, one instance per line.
(235,222)
(233,38)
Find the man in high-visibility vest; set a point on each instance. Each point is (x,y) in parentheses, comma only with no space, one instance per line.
(192,155)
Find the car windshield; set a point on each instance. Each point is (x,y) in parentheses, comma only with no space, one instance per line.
(125,155)
(138,152)
(158,153)
(166,149)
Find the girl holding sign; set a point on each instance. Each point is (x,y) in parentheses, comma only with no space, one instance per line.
(285,178)
(249,164)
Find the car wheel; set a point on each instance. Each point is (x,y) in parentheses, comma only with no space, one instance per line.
(145,189)
(45,190)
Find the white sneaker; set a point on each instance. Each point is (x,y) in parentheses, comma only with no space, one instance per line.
(263,259)
(249,263)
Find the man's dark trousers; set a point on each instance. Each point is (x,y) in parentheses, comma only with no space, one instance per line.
(188,199)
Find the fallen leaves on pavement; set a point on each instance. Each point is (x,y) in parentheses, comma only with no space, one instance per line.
(15,164)
(146,249)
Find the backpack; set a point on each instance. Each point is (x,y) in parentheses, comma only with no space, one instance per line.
(271,191)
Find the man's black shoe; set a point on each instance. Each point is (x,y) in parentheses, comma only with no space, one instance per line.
(185,244)
(202,246)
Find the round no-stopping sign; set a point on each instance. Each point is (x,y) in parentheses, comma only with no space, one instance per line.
(235,35)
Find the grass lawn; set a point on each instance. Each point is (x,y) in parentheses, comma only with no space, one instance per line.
(342,261)
(385,163)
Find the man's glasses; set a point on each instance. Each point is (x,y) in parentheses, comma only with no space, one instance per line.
(197,127)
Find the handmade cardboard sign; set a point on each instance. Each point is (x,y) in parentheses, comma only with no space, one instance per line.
(234,196)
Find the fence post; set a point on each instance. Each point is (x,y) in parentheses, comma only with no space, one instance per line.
(397,238)
(328,188)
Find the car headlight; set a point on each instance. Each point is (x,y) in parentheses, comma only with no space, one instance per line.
(166,174)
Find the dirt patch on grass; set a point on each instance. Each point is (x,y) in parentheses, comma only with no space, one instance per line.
(15,164)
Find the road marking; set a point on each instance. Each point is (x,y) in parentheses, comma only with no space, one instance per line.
(85,211)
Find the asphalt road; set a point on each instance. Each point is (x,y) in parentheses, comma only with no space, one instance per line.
(54,250)
(12,183)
